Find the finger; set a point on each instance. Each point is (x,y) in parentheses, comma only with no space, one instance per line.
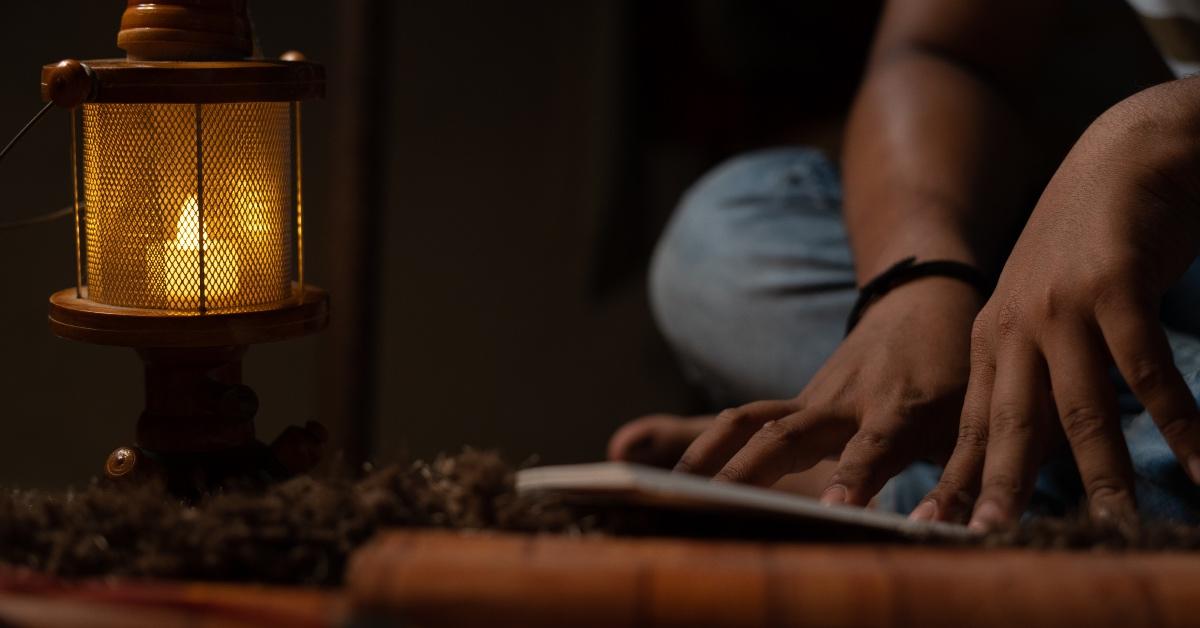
(790,445)
(870,458)
(1139,347)
(728,433)
(1016,431)
(1087,409)
(657,439)
(952,498)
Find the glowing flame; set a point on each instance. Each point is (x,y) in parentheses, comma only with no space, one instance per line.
(180,263)
(187,228)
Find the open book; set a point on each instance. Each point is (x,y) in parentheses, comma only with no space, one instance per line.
(618,484)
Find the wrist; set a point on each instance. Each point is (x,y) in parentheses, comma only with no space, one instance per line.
(965,278)
(1151,138)
(947,305)
(932,292)
(927,241)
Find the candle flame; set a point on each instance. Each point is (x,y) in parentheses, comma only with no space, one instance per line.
(180,274)
(187,228)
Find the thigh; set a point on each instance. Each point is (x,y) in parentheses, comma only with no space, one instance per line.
(753,279)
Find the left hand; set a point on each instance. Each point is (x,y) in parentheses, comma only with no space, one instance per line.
(1116,226)
(889,395)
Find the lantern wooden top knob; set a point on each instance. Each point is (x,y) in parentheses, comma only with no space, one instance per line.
(186,30)
(68,83)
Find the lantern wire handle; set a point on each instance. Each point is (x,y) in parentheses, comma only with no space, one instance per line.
(25,129)
(33,220)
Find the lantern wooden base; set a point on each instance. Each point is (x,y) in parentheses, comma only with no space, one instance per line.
(87,321)
(197,430)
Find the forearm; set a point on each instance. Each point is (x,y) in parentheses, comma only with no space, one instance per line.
(936,165)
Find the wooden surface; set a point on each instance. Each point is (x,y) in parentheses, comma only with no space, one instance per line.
(446,579)
(196,402)
(66,83)
(433,578)
(361,139)
(87,321)
(33,600)
(258,80)
(186,29)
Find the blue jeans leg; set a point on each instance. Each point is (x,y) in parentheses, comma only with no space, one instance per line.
(752,280)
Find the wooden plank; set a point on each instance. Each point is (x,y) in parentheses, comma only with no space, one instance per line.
(447,579)
(358,177)
(31,599)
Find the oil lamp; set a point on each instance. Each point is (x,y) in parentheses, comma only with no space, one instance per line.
(186,159)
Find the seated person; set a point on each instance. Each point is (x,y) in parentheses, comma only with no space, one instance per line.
(1034,365)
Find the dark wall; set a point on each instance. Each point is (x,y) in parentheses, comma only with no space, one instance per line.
(483,186)
(504,130)
(498,145)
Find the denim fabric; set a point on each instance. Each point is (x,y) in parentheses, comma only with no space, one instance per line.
(752,279)
(751,284)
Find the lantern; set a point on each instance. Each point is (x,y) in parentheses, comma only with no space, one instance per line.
(186,161)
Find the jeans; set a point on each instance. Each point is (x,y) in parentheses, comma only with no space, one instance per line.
(752,282)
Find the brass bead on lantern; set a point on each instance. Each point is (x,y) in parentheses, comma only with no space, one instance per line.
(186,160)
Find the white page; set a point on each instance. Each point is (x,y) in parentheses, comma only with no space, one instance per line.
(648,485)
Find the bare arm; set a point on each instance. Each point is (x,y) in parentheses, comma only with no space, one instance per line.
(938,162)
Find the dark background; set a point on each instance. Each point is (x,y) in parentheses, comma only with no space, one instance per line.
(483,186)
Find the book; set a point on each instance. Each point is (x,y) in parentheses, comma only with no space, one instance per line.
(624,485)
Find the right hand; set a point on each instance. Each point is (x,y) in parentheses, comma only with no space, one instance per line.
(889,395)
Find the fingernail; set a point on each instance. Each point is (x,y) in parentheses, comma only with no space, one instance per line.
(834,495)
(986,516)
(925,511)
(1193,465)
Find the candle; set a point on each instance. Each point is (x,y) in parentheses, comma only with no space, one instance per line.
(177,261)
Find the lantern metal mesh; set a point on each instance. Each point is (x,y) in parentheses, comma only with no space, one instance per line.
(189,208)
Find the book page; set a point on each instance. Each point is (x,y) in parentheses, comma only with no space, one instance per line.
(618,482)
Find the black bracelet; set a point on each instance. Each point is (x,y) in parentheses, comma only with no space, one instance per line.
(909,269)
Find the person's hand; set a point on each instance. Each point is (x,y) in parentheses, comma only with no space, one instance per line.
(889,395)
(1116,226)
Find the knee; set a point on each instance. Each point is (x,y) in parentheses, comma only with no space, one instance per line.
(695,269)
(754,226)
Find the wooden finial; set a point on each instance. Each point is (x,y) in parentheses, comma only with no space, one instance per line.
(68,84)
(186,30)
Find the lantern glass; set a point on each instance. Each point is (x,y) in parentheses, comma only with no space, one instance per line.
(189,208)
